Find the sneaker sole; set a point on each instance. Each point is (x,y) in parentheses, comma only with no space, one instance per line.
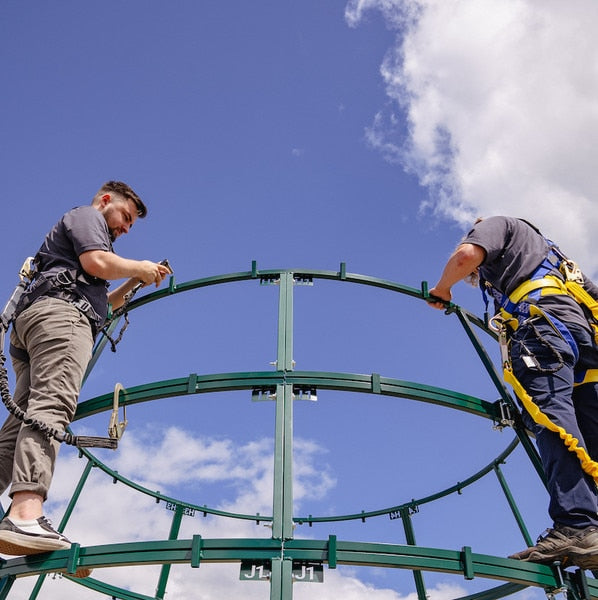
(17,544)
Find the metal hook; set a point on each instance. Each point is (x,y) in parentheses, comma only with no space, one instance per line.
(116,429)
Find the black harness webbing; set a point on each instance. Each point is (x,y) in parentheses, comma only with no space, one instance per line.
(66,437)
(60,286)
(13,307)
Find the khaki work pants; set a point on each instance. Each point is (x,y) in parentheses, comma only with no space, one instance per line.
(58,340)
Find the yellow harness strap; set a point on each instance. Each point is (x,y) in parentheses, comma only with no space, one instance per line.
(549,285)
(591,376)
(582,297)
(572,443)
(553,285)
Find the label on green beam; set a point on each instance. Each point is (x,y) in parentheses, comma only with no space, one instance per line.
(187,511)
(255,570)
(308,572)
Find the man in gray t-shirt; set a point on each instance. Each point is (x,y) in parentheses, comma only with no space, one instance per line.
(51,343)
(551,348)
(80,230)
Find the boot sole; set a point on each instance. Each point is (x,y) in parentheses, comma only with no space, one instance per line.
(587,559)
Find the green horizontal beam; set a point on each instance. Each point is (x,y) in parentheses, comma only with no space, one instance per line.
(184,551)
(348,382)
(194,384)
(235,550)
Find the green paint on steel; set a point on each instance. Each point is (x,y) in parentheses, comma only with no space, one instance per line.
(5,586)
(347,382)
(420,586)
(331,552)
(463,562)
(196,545)
(508,400)
(282,549)
(175,527)
(501,591)
(512,505)
(467,560)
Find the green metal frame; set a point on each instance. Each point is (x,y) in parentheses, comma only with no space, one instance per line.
(281,552)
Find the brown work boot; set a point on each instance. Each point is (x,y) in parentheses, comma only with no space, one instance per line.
(570,545)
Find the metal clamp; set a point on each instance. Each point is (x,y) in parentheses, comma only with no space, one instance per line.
(505,417)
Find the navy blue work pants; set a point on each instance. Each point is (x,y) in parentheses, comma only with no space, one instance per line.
(573,493)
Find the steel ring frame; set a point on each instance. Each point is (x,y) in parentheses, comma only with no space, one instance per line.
(282,551)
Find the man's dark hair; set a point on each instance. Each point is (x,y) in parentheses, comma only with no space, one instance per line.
(127,192)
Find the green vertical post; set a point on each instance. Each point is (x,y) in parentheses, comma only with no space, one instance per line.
(65,519)
(282,521)
(282,515)
(284,358)
(281,583)
(512,505)
(175,527)
(410,537)
(75,497)
(500,386)
(6,585)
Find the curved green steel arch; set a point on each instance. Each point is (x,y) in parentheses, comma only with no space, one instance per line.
(281,550)
(195,384)
(347,382)
(273,275)
(300,520)
(197,551)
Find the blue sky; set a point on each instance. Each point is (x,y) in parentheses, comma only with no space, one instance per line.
(300,135)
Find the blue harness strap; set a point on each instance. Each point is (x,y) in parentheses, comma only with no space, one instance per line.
(521,310)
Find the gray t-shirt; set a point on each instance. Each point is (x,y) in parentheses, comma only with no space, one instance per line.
(514,250)
(79,230)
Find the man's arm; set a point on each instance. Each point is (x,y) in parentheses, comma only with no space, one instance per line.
(464,261)
(107,265)
(116,298)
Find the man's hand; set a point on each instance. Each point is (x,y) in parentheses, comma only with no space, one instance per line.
(146,273)
(151,272)
(439,298)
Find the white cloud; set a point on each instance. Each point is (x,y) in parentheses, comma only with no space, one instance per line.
(349,587)
(163,460)
(501,104)
(109,513)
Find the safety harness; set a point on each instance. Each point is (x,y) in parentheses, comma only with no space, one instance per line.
(60,286)
(556,275)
